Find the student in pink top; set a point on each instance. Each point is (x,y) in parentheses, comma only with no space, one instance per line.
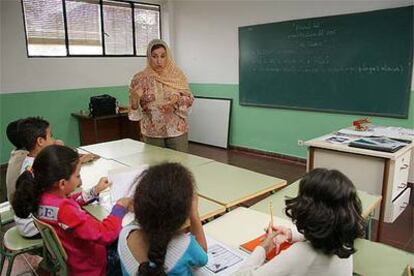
(47,190)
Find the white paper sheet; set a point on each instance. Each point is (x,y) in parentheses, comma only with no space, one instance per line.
(222,259)
(124,181)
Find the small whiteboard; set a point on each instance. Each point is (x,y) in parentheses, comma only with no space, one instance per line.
(209,121)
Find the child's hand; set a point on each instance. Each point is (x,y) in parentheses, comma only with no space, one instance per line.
(85,158)
(283,234)
(268,244)
(126,202)
(102,185)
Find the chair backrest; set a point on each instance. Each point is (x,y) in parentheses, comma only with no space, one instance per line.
(52,243)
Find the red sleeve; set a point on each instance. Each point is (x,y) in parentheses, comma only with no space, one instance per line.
(73,219)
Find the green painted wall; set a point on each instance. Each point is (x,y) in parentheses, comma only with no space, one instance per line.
(278,130)
(54,106)
(267,129)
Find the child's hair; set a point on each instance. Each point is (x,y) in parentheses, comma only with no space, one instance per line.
(12,133)
(52,164)
(327,211)
(30,129)
(162,203)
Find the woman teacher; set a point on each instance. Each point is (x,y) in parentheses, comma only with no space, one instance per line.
(160,98)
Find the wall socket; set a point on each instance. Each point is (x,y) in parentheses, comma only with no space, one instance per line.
(300,143)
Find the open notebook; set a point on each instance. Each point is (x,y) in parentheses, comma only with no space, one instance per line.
(124,181)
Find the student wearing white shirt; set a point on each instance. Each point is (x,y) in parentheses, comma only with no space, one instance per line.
(327,215)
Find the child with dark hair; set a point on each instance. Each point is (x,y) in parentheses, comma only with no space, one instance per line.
(44,191)
(35,133)
(156,245)
(17,155)
(327,216)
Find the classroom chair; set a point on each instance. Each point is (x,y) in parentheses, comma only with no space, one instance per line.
(6,214)
(54,255)
(13,244)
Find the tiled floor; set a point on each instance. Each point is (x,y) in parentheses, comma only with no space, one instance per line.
(399,234)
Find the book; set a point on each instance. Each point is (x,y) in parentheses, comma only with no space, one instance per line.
(378,143)
(252,244)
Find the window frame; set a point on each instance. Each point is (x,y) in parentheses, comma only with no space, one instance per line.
(103,55)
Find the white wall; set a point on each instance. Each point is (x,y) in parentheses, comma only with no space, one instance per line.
(18,73)
(206,32)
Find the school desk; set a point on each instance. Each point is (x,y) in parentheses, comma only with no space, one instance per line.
(91,172)
(207,209)
(159,155)
(118,148)
(369,202)
(242,224)
(229,185)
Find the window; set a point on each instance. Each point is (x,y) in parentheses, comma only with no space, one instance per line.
(89,27)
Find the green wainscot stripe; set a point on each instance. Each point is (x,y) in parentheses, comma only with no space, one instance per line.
(54,106)
(266,129)
(278,130)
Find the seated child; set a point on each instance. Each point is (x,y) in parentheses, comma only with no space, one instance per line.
(327,215)
(45,190)
(155,244)
(35,134)
(17,155)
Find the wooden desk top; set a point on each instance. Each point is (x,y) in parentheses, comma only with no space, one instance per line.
(118,148)
(229,185)
(206,208)
(369,202)
(321,143)
(159,155)
(87,116)
(93,171)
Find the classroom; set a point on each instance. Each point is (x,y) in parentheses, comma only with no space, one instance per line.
(270,142)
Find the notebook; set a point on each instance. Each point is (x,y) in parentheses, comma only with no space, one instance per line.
(251,245)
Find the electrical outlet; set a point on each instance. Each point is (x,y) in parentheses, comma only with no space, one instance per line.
(300,143)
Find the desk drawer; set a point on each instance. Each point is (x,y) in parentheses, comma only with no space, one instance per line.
(398,206)
(402,168)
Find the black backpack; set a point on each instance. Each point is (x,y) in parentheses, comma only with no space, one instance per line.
(102,105)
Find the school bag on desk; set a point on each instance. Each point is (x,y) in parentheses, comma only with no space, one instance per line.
(102,105)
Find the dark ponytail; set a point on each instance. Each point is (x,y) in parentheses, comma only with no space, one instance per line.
(157,250)
(162,203)
(52,164)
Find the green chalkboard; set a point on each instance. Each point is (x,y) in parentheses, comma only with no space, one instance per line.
(356,63)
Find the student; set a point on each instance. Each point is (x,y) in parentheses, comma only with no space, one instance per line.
(155,244)
(327,215)
(45,191)
(17,155)
(35,134)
